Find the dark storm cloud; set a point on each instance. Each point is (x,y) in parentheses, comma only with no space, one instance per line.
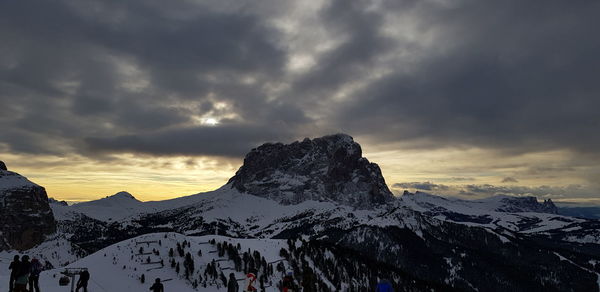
(134,76)
(229,141)
(65,66)
(507,75)
(362,42)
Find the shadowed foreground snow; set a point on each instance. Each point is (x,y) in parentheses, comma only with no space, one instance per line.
(119,267)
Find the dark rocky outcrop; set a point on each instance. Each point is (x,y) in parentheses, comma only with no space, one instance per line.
(25,212)
(329,168)
(527,204)
(55,201)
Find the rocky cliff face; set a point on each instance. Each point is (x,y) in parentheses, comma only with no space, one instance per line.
(329,168)
(527,204)
(25,212)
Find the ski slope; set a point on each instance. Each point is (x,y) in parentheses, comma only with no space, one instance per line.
(119,267)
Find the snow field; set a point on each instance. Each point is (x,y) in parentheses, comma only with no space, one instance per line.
(118,268)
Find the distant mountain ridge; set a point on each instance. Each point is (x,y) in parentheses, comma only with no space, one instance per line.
(498,203)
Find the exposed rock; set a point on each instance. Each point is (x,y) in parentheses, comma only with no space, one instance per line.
(55,201)
(330,168)
(2,165)
(527,204)
(25,212)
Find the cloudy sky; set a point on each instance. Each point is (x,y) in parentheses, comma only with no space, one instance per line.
(164,98)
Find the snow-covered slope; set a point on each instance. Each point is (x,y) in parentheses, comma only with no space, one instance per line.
(12,180)
(511,213)
(115,207)
(119,267)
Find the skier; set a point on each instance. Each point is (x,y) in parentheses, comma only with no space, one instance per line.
(250,280)
(232,285)
(384,286)
(288,284)
(14,269)
(34,277)
(308,281)
(22,276)
(84,277)
(158,286)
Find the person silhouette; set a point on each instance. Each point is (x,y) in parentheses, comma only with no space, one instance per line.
(14,269)
(158,286)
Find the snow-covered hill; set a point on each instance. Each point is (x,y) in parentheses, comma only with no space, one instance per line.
(119,267)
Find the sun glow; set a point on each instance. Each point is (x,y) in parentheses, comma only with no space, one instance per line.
(210,121)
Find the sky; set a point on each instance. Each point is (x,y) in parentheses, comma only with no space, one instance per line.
(164,98)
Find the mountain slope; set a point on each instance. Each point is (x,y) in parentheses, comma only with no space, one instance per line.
(325,201)
(26,216)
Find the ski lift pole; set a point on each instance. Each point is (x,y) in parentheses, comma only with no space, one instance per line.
(71,273)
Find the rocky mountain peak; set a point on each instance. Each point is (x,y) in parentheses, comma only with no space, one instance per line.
(526,204)
(549,206)
(330,168)
(25,212)
(2,165)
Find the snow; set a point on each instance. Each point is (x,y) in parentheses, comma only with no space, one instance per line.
(107,272)
(12,180)
(485,210)
(57,251)
(226,204)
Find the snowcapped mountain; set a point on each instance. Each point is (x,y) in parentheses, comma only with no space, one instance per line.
(521,214)
(115,207)
(321,201)
(26,215)
(329,168)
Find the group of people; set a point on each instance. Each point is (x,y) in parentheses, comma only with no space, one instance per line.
(24,272)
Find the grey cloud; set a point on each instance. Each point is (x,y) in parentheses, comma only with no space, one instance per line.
(503,75)
(226,140)
(363,41)
(64,65)
(426,186)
